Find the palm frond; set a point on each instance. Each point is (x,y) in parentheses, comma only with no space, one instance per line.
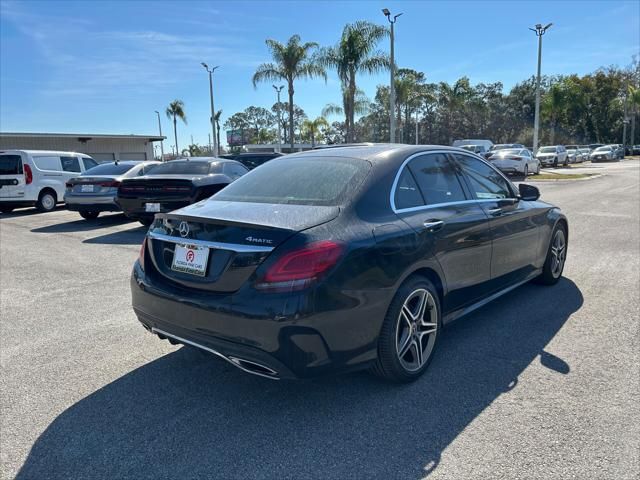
(267,72)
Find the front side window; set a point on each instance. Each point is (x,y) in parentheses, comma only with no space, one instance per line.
(485,182)
(70,164)
(437,179)
(47,163)
(407,193)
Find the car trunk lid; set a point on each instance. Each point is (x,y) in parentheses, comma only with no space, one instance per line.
(234,237)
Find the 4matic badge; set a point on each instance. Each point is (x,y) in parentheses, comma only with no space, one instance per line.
(266,241)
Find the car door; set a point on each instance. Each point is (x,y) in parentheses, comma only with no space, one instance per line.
(12,179)
(432,199)
(514,230)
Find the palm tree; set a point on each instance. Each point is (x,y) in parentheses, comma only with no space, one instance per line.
(361,105)
(174,111)
(291,62)
(551,107)
(355,53)
(313,126)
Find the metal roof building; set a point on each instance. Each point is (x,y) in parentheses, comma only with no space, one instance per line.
(103,148)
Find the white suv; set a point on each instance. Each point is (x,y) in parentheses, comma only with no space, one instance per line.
(37,177)
(553,156)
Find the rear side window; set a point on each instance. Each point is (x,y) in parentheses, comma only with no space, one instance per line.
(89,163)
(70,164)
(10,165)
(437,179)
(407,194)
(47,163)
(234,170)
(485,182)
(299,181)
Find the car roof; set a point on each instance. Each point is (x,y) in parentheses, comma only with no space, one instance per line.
(44,152)
(377,153)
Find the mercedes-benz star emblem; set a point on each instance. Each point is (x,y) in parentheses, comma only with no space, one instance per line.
(184,229)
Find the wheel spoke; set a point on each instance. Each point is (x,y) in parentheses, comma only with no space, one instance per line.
(417,351)
(407,313)
(429,328)
(404,345)
(422,305)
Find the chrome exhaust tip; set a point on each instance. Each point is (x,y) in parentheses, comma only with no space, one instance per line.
(244,365)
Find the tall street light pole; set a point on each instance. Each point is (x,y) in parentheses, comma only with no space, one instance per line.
(392,86)
(539,31)
(278,90)
(161,141)
(213,120)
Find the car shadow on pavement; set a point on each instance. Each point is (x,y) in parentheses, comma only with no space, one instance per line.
(82,225)
(27,212)
(186,415)
(133,236)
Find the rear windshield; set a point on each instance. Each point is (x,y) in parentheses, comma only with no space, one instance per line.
(10,165)
(603,149)
(547,150)
(109,169)
(181,168)
(299,181)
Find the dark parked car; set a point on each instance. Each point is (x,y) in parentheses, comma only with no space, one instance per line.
(252,160)
(95,190)
(174,185)
(342,259)
(636,150)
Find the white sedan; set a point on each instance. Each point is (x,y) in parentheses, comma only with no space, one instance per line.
(515,161)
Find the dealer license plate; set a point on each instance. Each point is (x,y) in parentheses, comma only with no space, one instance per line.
(190,259)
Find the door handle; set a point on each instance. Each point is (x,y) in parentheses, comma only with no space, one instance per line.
(495,212)
(433,225)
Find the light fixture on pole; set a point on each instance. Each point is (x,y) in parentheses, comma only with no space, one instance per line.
(392,87)
(278,90)
(213,120)
(161,140)
(539,30)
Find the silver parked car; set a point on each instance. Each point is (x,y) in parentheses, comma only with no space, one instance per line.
(606,153)
(95,190)
(515,160)
(553,156)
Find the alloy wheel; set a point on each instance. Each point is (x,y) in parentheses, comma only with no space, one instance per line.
(558,253)
(48,202)
(416,329)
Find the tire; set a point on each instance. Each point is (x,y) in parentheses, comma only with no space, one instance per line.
(526,171)
(88,214)
(6,209)
(405,327)
(555,163)
(551,271)
(146,221)
(538,169)
(46,201)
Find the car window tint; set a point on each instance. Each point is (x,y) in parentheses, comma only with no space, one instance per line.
(485,181)
(70,164)
(299,181)
(182,167)
(436,179)
(109,169)
(234,170)
(89,163)
(10,165)
(47,163)
(407,194)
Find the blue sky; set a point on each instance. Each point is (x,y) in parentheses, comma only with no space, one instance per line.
(104,67)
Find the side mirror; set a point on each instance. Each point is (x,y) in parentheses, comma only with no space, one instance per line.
(528,192)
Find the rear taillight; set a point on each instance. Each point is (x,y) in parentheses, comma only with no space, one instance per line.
(171,188)
(109,184)
(299,268)
(143,249)
(28,174)
(69,186)
(124,188)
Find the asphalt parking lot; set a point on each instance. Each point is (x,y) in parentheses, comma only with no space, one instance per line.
(543,383)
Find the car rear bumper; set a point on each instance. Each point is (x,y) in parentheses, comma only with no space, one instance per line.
(289,334)
(136,207)
(96,203)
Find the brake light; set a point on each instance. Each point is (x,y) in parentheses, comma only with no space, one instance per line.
(143,249)
(170,188)
(131,189)
(28,174)
(109,184)
(69,186)
(296,270)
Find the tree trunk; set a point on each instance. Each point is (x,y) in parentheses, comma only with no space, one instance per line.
(175,132)
(313,138)
(218,133)
(291,135)
(352,106)
(633,128)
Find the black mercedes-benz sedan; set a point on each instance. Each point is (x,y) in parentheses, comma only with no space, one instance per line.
(342,259)
(175,184)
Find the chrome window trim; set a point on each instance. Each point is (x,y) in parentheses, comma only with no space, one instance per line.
(236,247)
(446,204)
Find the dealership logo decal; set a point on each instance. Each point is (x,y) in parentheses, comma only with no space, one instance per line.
(190,256)
(184,229)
